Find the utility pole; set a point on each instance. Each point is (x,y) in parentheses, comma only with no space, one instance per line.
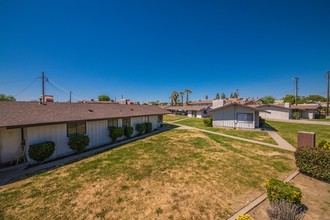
(237,92)
(296,97)
(70,96)
(328,76)
(43,87)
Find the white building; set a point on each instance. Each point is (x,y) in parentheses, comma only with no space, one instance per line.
(25,123)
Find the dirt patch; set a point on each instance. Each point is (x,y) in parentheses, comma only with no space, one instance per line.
(316,196)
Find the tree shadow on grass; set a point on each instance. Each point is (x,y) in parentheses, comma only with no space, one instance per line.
(268,127)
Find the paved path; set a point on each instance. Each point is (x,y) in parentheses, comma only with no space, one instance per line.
(280,141)
(22,171)
(284,147)
(301,121)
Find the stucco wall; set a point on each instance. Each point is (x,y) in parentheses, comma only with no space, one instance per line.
(274,112)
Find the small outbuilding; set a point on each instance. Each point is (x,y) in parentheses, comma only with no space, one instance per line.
(235,115)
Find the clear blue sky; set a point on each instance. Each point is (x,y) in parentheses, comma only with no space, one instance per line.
(144,50)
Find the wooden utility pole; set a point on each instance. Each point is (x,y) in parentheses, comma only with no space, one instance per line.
(70,96)
(43,86)
(296,96)
(328,76)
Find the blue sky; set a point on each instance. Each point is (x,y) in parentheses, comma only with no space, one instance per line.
(144,50)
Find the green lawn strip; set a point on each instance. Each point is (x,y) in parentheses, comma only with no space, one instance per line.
(173,117)
(253,135)
(125,180)
(289,131)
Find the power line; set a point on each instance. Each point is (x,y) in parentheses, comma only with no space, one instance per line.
(26,87)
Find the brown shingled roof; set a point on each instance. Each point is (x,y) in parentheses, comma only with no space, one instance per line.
(33,113)
(188,108)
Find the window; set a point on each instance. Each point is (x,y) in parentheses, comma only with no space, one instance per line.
(160,119)
(245,117)
(126,122)
(112,122)
(76,128)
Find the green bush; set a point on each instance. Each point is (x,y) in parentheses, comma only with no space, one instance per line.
(262,122)
(324,144)
(40,152)
(148,127)
(280,190)
(115,133)
(78,142)
(314,162)
(128,131)
(208,122)
(140,128)
(296,115)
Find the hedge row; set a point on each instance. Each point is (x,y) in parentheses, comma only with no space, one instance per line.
(314,162)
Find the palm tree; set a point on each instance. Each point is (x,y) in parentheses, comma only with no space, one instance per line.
(181,94)
(187,91)
(175,96)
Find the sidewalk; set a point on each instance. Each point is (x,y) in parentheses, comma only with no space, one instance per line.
(22,171)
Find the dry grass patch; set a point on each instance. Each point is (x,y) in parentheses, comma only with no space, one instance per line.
(175,174)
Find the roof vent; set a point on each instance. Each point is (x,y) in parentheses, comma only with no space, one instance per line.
(132,109)
(90,110)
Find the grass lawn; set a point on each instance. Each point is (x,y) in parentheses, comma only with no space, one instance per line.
(182,174)
(289,130)
(254,135)
(171,117)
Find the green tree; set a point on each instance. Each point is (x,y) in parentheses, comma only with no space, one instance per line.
(231,95)
(175,96)
(104,98)
(223,95)
(187,91)
(217,96)
(289,98)
(235,95)
(181,94)
(316,98)
(268,100)
(206,97)
(4,97)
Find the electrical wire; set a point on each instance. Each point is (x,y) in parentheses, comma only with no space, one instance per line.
(26,86)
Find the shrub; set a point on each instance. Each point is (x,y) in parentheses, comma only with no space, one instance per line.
(324,144)
(280,190)
(262,121)
(314,162)
(244,217)
(115,133)
(40,152)
(78,142)
(208,122)
(281,209)
(148,127)
(140,128)
(296,115)
(128,131)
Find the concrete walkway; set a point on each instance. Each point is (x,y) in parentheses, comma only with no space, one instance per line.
(301,121)
(22,171)
(283,147)
(280,141)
